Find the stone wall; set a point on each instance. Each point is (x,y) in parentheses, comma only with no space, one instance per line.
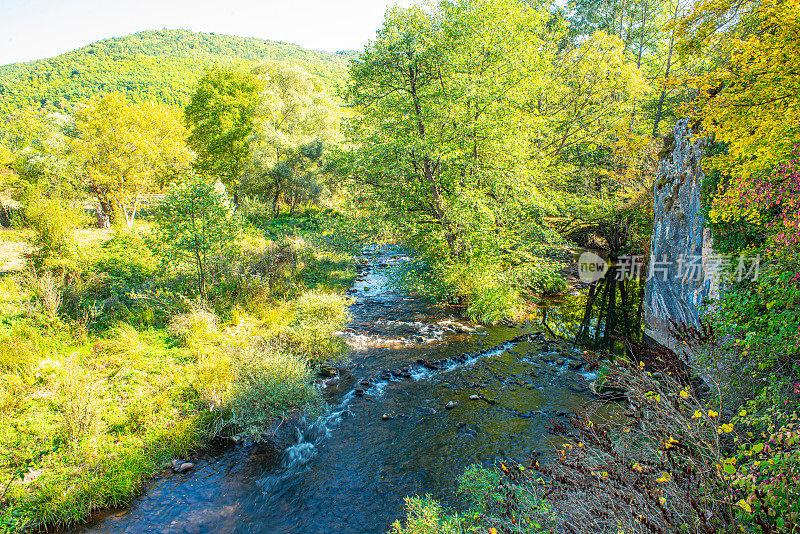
(680,245)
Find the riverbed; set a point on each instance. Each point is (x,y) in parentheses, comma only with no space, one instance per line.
(388,433)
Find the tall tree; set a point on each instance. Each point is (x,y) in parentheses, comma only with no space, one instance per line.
(294,121)
(221,120)
(124,150)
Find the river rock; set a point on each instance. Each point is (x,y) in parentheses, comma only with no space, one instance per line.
(450,405)
(358,392)
(561,361)
(474,397)
(461,424)
(387,417)
(575,365)
(185,467)
(176,464)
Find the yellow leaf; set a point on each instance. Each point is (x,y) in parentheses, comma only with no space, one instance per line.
(744,506)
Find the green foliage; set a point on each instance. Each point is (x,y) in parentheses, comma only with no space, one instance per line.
(193,224)
(426,516)
(762,318)
(53,221)
(271,384)
(127,260)
(221,120)
(159,66)
(500,499)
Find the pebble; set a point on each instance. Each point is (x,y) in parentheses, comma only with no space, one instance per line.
(461,424)
(185,467)
(387,416)
(474,397)
(575,365)
(359,392)
(561,361)
(450,405)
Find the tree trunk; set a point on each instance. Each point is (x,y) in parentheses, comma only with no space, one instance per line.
(275,200)
(429,171)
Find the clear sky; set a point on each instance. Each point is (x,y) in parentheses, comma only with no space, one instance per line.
(35,29)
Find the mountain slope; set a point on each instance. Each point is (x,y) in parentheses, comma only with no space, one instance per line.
(152,65)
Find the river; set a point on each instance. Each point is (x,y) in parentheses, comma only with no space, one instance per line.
(349,471)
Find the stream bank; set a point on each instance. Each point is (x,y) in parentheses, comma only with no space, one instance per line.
(427,394)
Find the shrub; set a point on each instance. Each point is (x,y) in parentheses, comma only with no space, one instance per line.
(426,516)
(270,384)
(53,222)
(78,395)
(127,261)
(194,223)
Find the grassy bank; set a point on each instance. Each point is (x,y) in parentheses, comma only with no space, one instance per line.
(112,368)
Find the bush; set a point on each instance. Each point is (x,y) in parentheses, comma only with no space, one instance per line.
(426,516)
(53,222)
(270,384)
(127,261)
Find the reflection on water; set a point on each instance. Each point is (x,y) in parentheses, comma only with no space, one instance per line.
(349,471)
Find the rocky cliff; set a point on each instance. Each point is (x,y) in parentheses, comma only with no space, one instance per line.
(679,278)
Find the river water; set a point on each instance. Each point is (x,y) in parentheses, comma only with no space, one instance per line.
(349,471)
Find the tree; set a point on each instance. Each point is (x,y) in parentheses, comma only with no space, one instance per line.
(221,119)
(468,114)
(193,223)
(295,120)
(751,102)
(124,150)
(36,145)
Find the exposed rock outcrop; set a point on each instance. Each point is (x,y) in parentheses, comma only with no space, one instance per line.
(679,279)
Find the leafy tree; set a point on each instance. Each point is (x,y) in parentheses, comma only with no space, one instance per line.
(35,142)
(221,119)
(124,150)
(751,102)
(193,224)
(295,121)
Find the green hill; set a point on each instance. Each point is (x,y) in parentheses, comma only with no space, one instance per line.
(151,65)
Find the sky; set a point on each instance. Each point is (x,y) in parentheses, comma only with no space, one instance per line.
(36,29)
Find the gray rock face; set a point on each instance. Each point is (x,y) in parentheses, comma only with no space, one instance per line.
(680,278)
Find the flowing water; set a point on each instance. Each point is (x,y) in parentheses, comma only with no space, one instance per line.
(349,471)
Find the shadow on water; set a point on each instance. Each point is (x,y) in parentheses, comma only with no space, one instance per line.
(350,470)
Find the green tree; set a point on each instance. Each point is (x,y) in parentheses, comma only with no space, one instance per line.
(193,224)
(295,121)
(124,150)
(221,119)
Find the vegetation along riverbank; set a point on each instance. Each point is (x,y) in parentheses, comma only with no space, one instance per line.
(184,221)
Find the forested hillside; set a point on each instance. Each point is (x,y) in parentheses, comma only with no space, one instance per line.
(161,66)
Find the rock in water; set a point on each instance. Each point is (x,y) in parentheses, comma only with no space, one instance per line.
(575,365)
(359,392)
(387,416)
(185,467)
(561,361)
(450,405)
(474,397)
